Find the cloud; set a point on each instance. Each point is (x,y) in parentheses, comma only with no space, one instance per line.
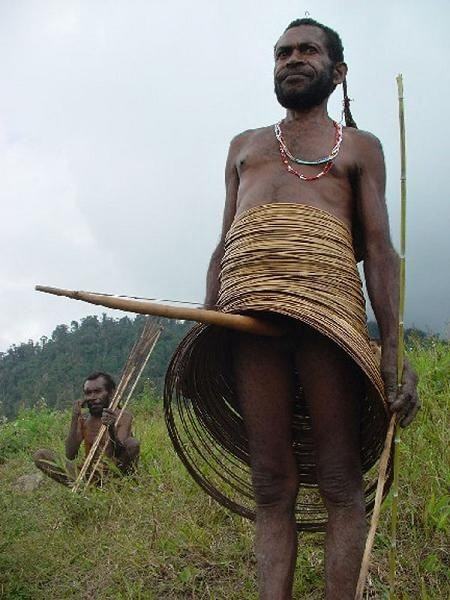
(115,121)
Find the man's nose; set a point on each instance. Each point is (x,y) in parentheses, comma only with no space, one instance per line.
(295,58)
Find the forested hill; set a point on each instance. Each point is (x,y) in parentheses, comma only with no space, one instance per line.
(53,369)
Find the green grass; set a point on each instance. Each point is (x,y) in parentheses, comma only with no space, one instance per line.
(159,536)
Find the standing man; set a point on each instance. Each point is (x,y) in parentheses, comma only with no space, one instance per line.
(305,199)
(122,448)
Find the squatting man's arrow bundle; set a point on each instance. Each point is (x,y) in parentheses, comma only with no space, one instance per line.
(131,373)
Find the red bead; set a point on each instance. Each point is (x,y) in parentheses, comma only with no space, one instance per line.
(290,169)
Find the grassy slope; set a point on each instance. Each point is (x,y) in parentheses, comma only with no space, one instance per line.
(159,536)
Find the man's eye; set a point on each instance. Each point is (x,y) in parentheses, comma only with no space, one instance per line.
(282,53)
(310,50)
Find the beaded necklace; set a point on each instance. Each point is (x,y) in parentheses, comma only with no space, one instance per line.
(327,160)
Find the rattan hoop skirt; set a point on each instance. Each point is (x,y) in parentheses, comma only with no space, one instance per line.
(292,260)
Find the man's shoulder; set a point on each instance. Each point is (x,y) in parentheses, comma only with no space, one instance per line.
(248,135)
(364,140)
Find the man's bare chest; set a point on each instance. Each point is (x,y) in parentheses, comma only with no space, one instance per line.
(265,178)
(90,428)
(263,152)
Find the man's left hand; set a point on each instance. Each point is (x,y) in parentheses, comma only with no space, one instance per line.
(109,417)
(404,400)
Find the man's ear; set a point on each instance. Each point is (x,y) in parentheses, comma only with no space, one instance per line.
(339,72)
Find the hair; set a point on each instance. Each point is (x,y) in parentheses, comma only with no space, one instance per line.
(110,384)
(336,54)
(334,42)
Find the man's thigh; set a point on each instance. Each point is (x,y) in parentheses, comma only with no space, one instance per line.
(333,386)
(265,385)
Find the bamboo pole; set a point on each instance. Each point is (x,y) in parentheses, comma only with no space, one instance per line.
(393,429)
(401,349)
(137,360)
(211,317)
(384,461)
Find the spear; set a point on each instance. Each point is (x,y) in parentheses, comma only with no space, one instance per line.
(393,430)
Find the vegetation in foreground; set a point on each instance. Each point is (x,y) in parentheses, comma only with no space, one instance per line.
(159,536)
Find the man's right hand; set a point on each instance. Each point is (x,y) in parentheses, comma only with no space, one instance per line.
(77,406)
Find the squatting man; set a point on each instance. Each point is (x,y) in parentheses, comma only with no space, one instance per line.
(122,448)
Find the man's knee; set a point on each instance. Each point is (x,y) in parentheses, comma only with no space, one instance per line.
(275,487)
(340,486)
(133,447)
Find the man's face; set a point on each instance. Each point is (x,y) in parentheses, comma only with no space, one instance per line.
(304,75)
(96,395)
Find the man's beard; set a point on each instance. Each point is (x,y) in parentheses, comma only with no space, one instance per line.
(309,96)
(97,410)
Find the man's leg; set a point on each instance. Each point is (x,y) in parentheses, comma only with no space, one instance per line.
(333,386)
(50,464)
(128,461)
(265,386)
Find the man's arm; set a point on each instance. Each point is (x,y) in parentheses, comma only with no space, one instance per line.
(75,436)
(381,268)
(232,186)
(118,433)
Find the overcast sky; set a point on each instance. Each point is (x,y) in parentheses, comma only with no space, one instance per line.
(115,120)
